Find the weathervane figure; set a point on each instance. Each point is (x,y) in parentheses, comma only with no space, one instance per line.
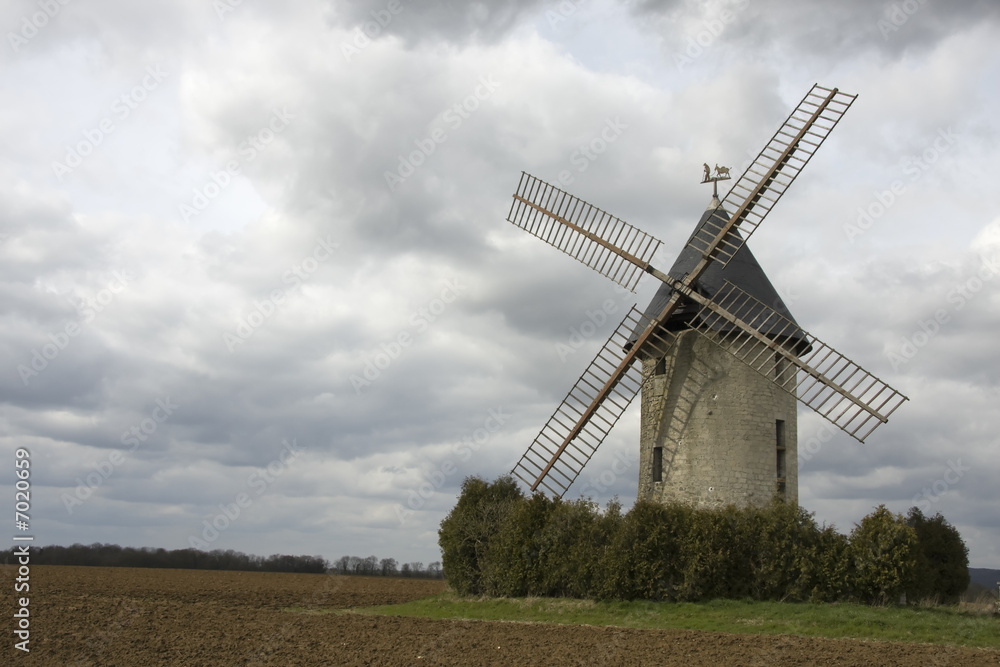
(721,174)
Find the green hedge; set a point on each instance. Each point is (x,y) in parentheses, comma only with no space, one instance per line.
(498,542)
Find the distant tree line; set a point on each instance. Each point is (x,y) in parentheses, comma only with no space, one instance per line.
(498,542)
(112,555)
(372,566)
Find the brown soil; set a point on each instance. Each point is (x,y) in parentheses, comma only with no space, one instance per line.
(131,617)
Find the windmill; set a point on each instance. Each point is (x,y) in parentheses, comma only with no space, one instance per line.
(716,338)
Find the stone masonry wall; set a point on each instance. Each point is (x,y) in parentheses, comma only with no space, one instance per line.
(715,419)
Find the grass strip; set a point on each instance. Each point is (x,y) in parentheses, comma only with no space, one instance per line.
(953,626)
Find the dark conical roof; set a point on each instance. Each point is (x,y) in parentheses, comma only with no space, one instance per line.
(742,270)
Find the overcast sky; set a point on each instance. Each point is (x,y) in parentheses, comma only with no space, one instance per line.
(255,269)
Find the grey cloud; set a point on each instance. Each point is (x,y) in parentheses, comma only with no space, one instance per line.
(816,29)
(426,22)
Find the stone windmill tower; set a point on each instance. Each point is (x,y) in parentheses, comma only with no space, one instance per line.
(714,431)
(719,359)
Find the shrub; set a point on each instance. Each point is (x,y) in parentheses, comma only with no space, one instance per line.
(942,559)
(497,542)
(833,567)
(716,555)
(466,532)
(882,548)
(783,548)
(643,559)
(512,568)
(571,546)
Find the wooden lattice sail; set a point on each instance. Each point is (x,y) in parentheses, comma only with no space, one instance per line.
(825,380)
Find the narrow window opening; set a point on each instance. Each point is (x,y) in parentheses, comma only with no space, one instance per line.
(661,367)
(780,469)
(781,369)
(657,464)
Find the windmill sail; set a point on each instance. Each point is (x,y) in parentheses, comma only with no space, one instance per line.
(769,175)
(603,242)
(825,380)
(828,382)
(589,411)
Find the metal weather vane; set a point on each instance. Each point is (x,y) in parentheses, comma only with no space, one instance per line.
(721,174)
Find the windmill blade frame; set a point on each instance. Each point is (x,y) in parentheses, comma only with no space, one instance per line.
(774,169)
(838,389)
(593,406)
(607,244)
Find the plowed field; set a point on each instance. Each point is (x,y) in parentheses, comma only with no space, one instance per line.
(129,617)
